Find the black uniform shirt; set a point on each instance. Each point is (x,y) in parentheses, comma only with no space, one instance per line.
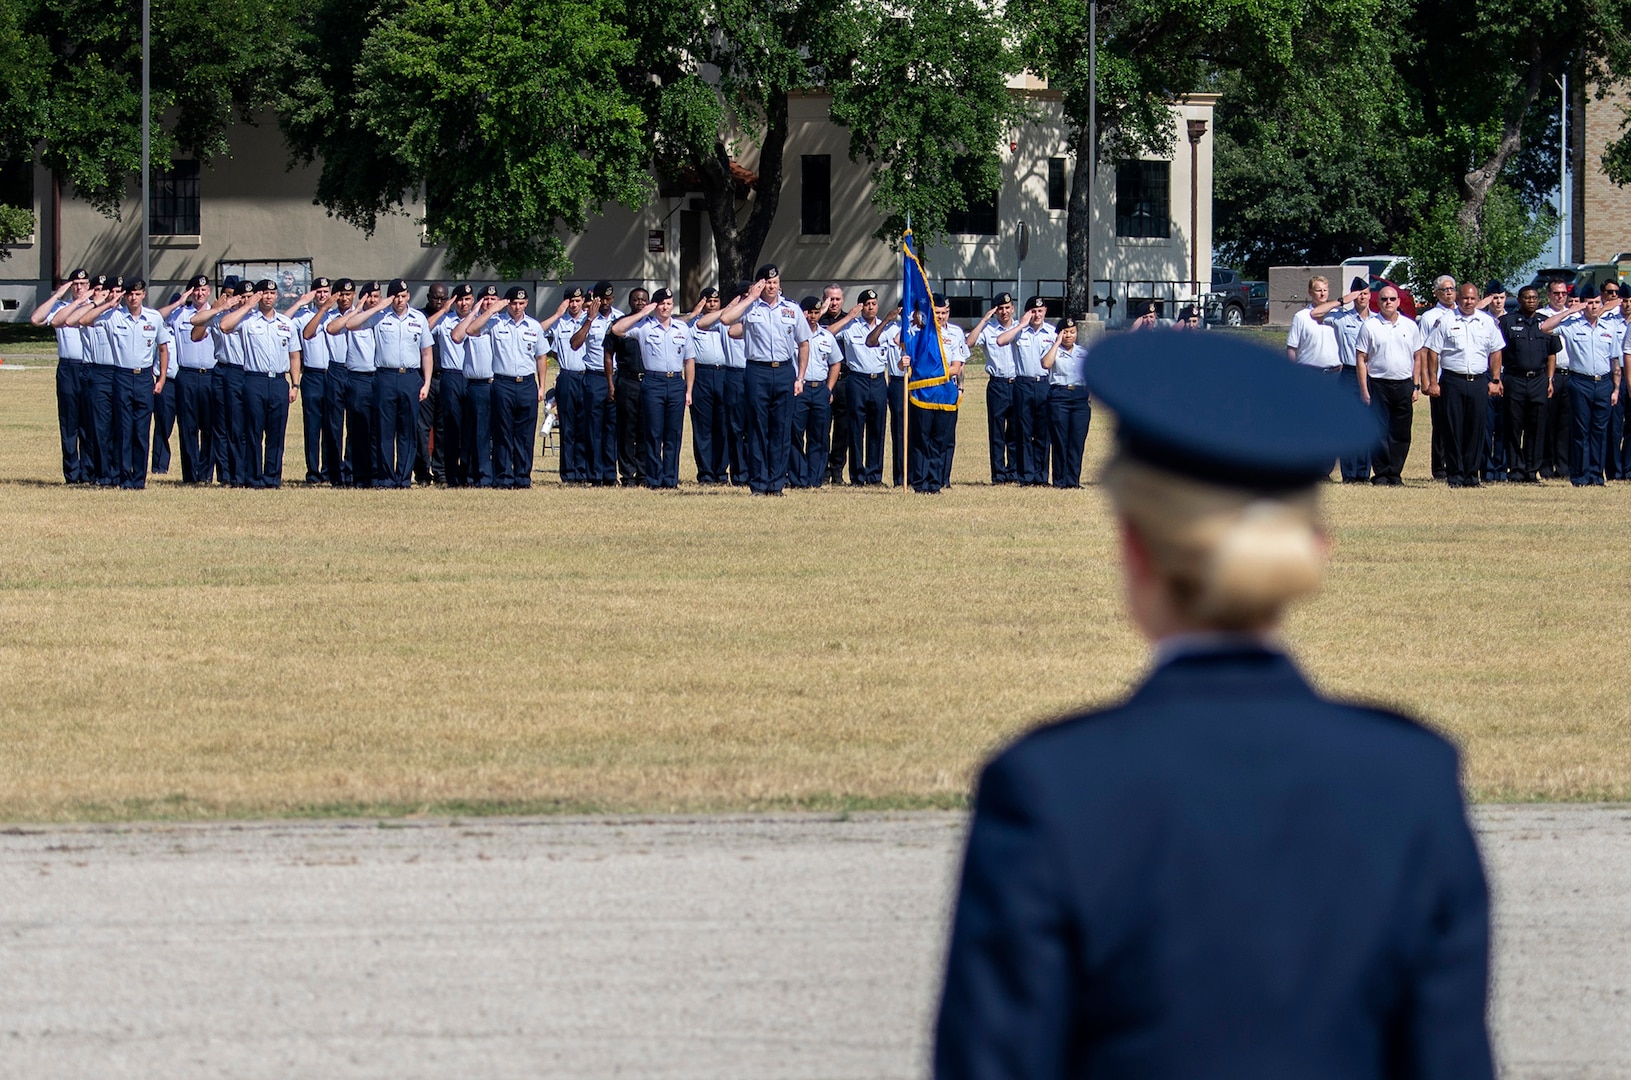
(1527,346)
(629,361)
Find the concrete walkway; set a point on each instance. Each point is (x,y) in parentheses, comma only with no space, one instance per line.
(784,947)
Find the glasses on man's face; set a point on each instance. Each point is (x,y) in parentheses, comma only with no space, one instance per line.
(1389,300)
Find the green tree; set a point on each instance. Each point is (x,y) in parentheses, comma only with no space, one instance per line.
(509,118)
(1150,53)
(926,103)
(72,78)
(1507,238)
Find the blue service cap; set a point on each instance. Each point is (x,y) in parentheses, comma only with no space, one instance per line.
(1586,292)
(1225,412)
(660,295)
(810,303)
(1494,288)
(1358,284)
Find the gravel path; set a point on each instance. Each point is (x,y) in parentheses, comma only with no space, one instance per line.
(780,947)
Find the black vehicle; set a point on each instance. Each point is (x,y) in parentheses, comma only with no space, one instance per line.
(1258,309)
(1230,301)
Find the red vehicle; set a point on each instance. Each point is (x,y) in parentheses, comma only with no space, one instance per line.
(1380,270)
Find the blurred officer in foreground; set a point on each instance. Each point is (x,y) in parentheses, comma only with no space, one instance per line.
(1227,874)
(73,380)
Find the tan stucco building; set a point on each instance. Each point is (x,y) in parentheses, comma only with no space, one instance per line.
(253,208)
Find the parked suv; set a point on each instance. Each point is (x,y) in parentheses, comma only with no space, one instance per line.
(1230,301)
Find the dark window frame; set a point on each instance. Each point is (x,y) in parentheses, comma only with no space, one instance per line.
(17,183)
(1144,200)
(175,206)
(1058,187)
(815,194)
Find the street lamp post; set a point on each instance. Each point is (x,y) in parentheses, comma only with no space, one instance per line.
(147,169)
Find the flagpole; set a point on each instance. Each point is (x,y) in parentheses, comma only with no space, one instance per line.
(906,380)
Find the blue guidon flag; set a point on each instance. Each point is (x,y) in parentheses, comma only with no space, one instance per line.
(931,385)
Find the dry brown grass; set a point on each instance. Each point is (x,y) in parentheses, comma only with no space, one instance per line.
(183,653)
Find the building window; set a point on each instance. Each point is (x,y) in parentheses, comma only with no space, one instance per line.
(815,201)
(174,208)
(1144,199)
(980,219)
(17,184)
(1057,196)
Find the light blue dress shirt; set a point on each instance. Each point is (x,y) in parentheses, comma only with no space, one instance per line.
(1068,365)
(1030,346)
(859,357)
(773,332)
(134,340)
(1593,350)
(999,359)
(399,339)
(70,342)
(662,348)
(190,354)
(560,343)
(517,345)
(823,355)
(267,342)
(1347,322)
(709,346)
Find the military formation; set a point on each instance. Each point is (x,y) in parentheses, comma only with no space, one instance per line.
(1515,396)
(779,394)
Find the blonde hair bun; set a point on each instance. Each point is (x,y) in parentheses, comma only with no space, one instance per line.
(1232,559)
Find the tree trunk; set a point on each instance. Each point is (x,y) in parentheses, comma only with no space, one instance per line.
(738,248)
(1475,185)
(1078,226)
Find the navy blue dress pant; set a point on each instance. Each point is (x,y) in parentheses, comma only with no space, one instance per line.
(1495,442)
(662,422)
(838,445)
(195,422)
(626,406)
(1357,466)
(570,407)
(339,389)
(1004,430)
(1590,402)
(1070,412)
(73,392)
(933,436)
(1614,458)
(1031,428)
(266,424)
(477,431)
(396,438)
(868,405)
(770,424)
(106,472)
(164,425)
(322,451)
(515,429)
(709,427)
(231,448)
(447,459)
(812,424)
(1525,405)
(132,424)
(600,429)
(361,427)
(1557,432)
(736,421)
(897,437)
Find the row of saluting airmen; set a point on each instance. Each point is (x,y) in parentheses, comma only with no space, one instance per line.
(779,394)
(1514,396)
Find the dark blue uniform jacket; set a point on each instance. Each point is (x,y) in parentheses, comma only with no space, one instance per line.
(1228,876)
